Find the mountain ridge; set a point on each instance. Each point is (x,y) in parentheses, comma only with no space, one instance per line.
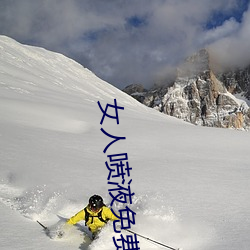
(201,95)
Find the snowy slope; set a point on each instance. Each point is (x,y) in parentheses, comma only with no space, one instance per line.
(191,184)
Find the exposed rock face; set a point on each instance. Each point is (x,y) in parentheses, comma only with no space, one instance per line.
(137,91)
(199,97)
(237,81)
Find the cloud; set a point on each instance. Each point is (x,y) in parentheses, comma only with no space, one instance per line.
(233,49)
(228,28)
(123,42)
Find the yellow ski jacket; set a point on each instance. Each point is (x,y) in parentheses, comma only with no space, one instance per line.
(93,223)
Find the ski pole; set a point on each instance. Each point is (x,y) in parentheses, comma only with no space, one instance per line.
(45,228)
(159,243)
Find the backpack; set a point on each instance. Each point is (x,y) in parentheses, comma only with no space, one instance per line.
(88,216)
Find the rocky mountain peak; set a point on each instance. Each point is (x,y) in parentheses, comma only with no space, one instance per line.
(200,96)
(196,64)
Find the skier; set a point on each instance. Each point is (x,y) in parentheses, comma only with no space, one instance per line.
(95,214)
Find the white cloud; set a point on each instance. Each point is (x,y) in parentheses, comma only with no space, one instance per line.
(97,32)
(233,50)
(228,28)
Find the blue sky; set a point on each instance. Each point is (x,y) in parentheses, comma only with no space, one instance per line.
(131,41)
(218,17)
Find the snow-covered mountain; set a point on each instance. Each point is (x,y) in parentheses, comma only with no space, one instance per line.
(201,95)
(191,183)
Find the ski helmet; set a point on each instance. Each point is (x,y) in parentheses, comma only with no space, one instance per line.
(95,202)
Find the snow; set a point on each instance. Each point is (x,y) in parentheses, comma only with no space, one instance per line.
(191,183)
(242,99)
